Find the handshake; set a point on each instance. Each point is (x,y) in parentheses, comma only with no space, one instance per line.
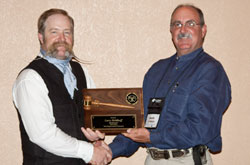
(102,153)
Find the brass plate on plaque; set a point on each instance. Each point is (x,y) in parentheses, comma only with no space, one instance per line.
(113,110)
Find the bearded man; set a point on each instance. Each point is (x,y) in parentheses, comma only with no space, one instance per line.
(48,98)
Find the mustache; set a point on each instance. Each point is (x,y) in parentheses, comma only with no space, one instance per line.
(52,50)
(60,43)
(184,35)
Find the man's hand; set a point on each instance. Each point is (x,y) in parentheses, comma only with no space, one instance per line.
(141,135)
(92,135)
(102,154)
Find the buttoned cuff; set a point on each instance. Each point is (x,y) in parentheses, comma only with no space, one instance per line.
(85,151)
(116,149)
(155,137)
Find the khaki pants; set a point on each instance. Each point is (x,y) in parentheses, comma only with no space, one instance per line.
(184,160)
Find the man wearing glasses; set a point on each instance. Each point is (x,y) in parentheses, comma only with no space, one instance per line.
(184,98)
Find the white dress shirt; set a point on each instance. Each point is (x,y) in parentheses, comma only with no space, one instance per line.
(30,96)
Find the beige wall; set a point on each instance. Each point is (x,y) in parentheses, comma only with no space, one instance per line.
(123,38)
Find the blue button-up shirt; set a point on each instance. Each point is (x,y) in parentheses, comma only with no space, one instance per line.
(196,91)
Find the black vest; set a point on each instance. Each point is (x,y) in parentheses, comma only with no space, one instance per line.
(68,113)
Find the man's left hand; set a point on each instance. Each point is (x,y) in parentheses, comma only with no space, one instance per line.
(141,135)
(93,135)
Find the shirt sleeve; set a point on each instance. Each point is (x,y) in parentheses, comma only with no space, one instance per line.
(90,81)
(123,146)
(30,96)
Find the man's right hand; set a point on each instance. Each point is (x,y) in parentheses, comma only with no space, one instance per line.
(102,154)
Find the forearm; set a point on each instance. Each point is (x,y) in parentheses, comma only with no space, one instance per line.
(123,146)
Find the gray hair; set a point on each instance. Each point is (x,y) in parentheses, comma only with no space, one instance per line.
(200,13)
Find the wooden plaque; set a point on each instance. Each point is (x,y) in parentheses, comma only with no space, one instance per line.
(113,110)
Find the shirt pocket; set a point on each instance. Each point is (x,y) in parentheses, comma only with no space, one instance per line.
(177,101)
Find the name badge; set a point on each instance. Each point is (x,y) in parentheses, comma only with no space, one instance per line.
(154,111)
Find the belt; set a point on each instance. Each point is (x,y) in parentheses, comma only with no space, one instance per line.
(157,154)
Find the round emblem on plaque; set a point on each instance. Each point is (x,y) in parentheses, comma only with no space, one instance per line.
(132,98)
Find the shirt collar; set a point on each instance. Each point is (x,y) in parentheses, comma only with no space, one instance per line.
(43,52)
(189,56)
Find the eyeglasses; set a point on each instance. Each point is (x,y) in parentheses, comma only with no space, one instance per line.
(189,24)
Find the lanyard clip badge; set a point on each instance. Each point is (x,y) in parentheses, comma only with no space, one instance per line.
(154,111)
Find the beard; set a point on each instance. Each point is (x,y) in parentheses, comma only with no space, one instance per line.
(53,51)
